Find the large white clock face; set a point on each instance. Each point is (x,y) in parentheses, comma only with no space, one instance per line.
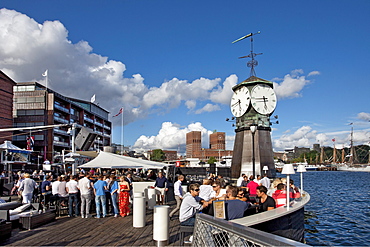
(240,101)
(263,99)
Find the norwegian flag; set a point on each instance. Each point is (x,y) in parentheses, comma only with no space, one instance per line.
(30,142)
(120,111)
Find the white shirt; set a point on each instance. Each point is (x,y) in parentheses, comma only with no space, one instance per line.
(72,186)
(84,185)
(205,192)
(222,192)
(265,182)
(54,187)
(62,189)
(239,181)
(177,189)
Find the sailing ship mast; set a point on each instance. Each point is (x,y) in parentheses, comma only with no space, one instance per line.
(353,157)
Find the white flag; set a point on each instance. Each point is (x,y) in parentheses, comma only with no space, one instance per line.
(92,100)
(45,73)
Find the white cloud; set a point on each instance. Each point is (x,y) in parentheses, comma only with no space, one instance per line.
(28,48)
(190,104)
(223,94)
(364,116)
(171,136)
(313,73)
(292,84)
(305,136)
(208,108)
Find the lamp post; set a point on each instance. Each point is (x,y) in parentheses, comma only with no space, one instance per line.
(253,129)
(265,168)
(301,169)
(98,143)
(287,169)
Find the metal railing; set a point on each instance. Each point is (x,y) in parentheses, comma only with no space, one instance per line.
(210,231)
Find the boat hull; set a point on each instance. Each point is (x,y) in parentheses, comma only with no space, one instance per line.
(354,168)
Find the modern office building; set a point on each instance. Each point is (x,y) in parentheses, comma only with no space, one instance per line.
(217,145)
(36,105)
(6,99)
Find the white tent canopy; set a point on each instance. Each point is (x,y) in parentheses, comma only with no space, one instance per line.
(7,145)
(114,161)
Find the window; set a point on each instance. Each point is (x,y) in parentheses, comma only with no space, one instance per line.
(30,112)
(39,137)
(24,88)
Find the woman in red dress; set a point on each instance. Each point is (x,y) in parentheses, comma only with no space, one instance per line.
(124,197)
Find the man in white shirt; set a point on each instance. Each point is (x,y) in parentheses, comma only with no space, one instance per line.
(265,181)
(86,195)
(72,189)
(240,180)
(178,194)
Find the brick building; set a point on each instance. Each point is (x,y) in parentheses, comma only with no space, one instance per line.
(6,109)
(217,140)
(36,105)
(170,154)
(193,143)
(217,145)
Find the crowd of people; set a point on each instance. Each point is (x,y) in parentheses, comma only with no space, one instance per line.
(250,194)
(112,194)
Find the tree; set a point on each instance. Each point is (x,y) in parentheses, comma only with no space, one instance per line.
(158,155)
(211,160)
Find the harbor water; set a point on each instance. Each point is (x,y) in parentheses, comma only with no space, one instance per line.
(339,211)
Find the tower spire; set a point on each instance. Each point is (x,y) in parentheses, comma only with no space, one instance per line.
(252,63)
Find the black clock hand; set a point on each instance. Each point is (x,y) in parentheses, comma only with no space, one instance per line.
(238,102)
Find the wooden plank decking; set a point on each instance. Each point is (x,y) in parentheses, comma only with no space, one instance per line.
(107,231)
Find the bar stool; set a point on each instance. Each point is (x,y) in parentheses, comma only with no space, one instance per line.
(183,231)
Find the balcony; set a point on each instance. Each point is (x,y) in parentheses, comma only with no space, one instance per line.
(89,120)
(61,120)
(59,131)
(106,135)
(99,124)
(106,127)
(61,108)
(62,144)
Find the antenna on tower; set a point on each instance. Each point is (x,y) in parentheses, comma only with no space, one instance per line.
(252,63)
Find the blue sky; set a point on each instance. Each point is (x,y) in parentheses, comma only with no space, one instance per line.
(171,64)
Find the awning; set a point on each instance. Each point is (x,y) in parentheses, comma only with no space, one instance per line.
(115,161)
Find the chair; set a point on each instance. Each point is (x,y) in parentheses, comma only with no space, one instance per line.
(183,231)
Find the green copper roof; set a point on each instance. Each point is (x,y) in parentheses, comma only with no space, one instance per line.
(253,80)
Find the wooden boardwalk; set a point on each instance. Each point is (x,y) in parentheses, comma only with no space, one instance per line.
(109,231)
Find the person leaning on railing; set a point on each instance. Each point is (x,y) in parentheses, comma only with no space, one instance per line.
(191,205)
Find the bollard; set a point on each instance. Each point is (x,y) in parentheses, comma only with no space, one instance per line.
(161,225)
(151,198)
(139,214)
(184,188)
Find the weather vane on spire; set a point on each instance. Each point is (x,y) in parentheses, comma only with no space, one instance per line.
(252,63)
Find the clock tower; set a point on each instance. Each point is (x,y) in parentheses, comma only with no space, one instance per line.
(262,103)
(252,104)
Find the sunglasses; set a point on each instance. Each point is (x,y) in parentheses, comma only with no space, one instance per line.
(197,190)
(214,186)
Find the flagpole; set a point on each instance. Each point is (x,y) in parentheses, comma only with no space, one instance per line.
(122,134)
